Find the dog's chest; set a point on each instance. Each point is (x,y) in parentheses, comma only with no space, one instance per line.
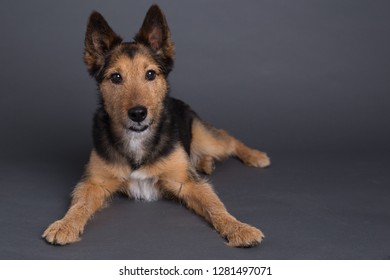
(143,187)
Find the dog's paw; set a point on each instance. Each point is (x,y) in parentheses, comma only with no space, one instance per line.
(257,159)
(206,165)
(61,233)
(244,235)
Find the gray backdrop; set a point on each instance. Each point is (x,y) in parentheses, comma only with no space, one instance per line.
(306,81)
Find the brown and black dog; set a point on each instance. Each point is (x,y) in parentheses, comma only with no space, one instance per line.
(146,143)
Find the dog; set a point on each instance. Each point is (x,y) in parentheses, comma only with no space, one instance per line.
(147,144)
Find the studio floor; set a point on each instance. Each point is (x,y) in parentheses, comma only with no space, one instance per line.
(310,206)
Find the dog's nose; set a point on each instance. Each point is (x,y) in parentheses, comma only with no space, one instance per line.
(138,113)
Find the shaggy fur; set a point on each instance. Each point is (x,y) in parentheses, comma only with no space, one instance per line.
(146,143)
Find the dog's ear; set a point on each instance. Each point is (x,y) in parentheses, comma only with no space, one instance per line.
(155,33)
(99,39)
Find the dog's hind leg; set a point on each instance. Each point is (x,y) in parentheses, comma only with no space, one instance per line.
(209,144)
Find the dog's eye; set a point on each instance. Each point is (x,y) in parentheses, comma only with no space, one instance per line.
(116,78)
(150,75)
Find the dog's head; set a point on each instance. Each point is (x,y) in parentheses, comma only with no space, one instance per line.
(131,76)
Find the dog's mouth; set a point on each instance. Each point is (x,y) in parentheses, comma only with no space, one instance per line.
(138,128)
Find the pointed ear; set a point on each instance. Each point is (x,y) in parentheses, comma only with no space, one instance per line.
(155,33)
(99,39)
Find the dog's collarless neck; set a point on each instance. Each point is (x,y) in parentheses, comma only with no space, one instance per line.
(134,165)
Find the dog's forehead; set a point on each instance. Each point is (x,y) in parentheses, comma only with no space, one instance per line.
(132,49)
(131,56)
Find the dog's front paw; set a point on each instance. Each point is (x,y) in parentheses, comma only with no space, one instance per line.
(61,233)
(244,235)
(257,159)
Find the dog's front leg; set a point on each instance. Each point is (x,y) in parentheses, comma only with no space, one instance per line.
(200,197)
(88,196)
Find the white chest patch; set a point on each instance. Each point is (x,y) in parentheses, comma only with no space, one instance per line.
(142,187)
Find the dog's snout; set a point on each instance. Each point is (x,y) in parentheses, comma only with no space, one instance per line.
(138,113)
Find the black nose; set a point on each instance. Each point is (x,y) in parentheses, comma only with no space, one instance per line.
(138,113)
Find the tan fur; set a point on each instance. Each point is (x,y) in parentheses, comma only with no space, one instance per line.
(135,90)
(175,173)
(209,144)
(102,180)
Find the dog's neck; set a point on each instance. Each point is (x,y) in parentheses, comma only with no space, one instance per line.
(136,148)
